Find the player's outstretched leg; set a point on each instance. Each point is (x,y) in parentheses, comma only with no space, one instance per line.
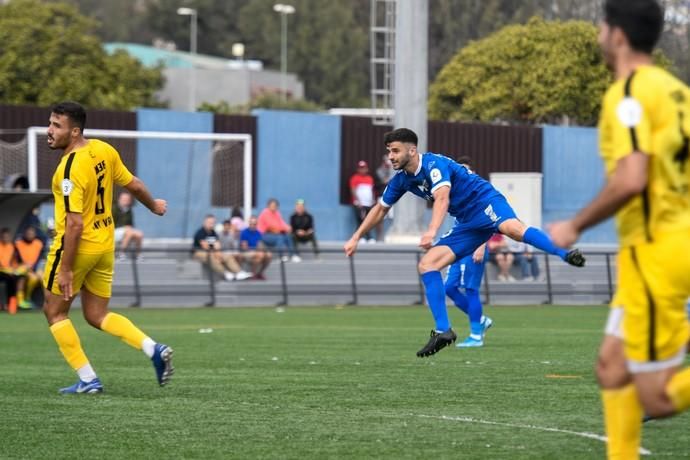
(160,354)
(97,314)
(533,236)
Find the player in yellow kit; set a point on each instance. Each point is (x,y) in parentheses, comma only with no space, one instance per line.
(82,255)
(643,134)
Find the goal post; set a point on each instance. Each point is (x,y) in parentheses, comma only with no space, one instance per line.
(216,141)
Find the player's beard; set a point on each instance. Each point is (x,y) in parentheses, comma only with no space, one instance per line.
(57,145)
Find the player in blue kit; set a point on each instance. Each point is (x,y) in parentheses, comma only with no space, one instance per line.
(479,210)
(462,284)
(466,274)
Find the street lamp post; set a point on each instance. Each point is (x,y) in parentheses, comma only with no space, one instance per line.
(283,10)
(192,13)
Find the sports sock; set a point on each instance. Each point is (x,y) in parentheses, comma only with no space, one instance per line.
(121,327)
(31,283)
(436,297)
(86,373)
(623,420)
(20,297)
(457,297)
(474,311)
(69,344)
(148,346)
(537,238)
(678,390)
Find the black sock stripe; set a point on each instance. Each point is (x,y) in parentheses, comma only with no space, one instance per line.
(651,305)
(56,262)
(68,168)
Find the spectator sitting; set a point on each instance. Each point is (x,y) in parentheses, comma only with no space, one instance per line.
(229,238)
(254,249)
(362,194)
(207,250)
(29,248)
(525,258)
(9,268)
(125,233)
(32,220)
(500,255)
(237,219)
(275,231)
(302,224)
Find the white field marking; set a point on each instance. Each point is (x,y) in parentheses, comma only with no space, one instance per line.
(598,437)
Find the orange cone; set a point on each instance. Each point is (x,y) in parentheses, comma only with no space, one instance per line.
(12,306)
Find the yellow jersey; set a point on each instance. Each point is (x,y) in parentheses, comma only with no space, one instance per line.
(649,112)
(83,183)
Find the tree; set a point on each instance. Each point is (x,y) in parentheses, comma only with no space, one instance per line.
(48,52)
(538,72)
(328,46)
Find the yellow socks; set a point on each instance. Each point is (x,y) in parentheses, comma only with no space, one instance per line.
(69,343)
(623,420)
(678,390)
(121,327)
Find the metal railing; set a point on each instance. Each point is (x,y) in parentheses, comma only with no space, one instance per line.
(376,261)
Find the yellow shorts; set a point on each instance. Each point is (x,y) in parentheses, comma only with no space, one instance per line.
(92,271)
(653,287)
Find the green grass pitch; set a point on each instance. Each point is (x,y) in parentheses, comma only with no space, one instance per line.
(317,383)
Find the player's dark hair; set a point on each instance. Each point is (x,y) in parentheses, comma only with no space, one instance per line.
(465,160)
(640,20)
(74,111)
(400,135)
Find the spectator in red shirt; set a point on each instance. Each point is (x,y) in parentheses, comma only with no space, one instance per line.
(362,193)
(276,232)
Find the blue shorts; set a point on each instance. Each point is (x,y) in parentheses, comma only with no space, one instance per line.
(466,236)
(466,273)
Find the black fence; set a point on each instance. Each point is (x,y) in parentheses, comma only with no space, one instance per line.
(376,272)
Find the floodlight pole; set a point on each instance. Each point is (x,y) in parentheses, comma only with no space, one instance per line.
(283,10)
(193,17)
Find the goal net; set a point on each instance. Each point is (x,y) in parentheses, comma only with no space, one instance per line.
(197,173)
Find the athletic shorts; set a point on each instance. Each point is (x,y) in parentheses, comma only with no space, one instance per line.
(466,236)
(119,233)
(92,271)
(649,307)
(466,273)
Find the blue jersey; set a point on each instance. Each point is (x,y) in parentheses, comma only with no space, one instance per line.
(469,193)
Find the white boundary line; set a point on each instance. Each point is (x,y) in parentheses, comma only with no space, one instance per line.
(598,437)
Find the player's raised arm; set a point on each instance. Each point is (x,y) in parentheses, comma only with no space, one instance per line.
(438,214)
(375,216)
(137,188)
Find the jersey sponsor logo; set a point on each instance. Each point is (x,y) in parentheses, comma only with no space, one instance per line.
(489,211)
(435,175)
(67,187)
(629,112)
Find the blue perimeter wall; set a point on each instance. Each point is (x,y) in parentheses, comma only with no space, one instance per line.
(178,171)
(298,156)
(573,175)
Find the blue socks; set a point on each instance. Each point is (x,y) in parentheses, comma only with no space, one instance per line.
(470,303)
(436,297)
(474,311)
(457,297)
(540,240)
